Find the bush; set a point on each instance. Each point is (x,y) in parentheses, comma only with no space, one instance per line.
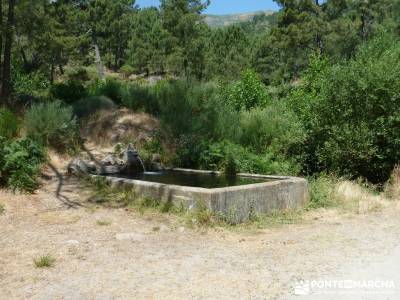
(53,124)
(138,97)
(192,108)
(248,93)
(111,88)
(217,155)
(351,112)
(273,128)
(90,105)
(9,123)
(189,151)
(20,161)
(322,191)
(230,169)
(68,92)
(79,74)
(127,70)
(34,84)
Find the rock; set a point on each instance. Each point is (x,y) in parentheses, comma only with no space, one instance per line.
(72,242)
(115,137)
(164,228)
(156,167)
(109,170)
(130,237)
(130,163)
(156,158)
(109,160)
(181,229)
(79,166)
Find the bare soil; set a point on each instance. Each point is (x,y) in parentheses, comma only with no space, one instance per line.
(119,254)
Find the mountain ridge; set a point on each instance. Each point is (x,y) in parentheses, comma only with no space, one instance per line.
(230,19)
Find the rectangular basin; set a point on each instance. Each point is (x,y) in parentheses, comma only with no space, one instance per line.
(268,194)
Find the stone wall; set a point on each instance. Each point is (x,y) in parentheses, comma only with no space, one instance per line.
(241,201)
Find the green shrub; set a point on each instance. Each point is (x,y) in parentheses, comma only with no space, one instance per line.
(272,128)
(230,167)
(53,124)
(322,191)
(201,215)
(111,88)
(90,105)
(68,92)
(216,156)
(35,84)
(139,97)
(127,70)
(248,93)
(9,123)
(189,150)
(20,161)
(79,74)
(191,108)
(351,112)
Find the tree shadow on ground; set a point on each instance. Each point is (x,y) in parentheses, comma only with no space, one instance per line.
(64,199)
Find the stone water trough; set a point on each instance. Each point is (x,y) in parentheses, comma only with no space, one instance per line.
(244,196)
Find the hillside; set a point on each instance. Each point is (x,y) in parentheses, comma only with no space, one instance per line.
(226,20)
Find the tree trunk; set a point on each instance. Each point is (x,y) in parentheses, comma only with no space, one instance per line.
(25,60)
(52,73)
(60,67)
(320,44)
(116,59)
(6,88)
(99,64)
(1,36)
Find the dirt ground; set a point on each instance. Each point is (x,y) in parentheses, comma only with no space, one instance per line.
(150,256)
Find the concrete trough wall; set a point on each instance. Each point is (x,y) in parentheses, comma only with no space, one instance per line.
(239,201)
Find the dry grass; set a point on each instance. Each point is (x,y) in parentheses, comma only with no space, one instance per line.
(392,189)
(357,198)
(58,218)
(123,125)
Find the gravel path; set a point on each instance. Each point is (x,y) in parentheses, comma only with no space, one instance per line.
(136,256)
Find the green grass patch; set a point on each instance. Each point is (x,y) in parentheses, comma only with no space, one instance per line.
(104,222)
(45,261)
(322,192)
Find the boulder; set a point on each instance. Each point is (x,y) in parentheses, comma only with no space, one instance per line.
(79,166)
(109,169)
(129,163)
(156,158)
(156,164)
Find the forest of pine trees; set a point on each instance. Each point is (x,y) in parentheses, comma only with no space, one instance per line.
(312,88)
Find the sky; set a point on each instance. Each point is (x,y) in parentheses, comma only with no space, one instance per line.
(221,7)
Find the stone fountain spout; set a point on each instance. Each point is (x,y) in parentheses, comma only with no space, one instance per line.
(133,164)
